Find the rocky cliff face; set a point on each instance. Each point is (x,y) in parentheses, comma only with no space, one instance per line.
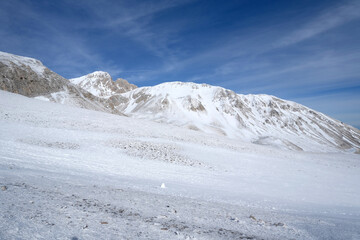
(27,76)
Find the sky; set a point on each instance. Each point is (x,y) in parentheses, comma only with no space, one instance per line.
(301,50)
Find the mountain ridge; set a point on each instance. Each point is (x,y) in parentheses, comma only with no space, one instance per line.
(261,119)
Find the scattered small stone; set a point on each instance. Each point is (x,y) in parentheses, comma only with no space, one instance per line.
(252,217)
(173,211)
(4,188)
(164,229)
(85,226)
(279,224)
(104,222)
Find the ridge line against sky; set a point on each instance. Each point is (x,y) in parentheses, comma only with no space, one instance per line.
(305,51)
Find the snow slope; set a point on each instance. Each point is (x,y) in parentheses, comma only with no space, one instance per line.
(77,174)
(262,119)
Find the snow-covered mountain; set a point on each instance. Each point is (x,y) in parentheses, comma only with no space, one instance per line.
(262,119)
(100,84)
(29,77)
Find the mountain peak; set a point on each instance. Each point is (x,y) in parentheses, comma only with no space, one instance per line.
(100,84)
(99,74)
(92,77)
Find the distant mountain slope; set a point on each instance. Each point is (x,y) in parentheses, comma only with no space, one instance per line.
(262,119)
(100,84)
(29,77)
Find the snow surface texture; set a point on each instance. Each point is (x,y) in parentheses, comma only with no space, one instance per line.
(262,119)
(69,173)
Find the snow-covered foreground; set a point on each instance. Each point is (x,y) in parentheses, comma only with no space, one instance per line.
(77,174)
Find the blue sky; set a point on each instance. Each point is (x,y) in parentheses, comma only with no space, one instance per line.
(305,51)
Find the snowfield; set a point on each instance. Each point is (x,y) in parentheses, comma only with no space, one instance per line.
(71,173)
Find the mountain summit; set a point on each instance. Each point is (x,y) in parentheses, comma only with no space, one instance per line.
(100,84)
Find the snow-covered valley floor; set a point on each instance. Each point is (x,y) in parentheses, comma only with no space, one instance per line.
(68,173)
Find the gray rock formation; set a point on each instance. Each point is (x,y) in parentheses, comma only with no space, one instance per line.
(22,79)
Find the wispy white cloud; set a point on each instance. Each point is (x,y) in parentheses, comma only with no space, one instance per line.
(329,19)
(312,63)
(126,14)
(62,48)
(135,21)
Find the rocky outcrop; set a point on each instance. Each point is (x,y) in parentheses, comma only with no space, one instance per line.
(22,79)
(124,86)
